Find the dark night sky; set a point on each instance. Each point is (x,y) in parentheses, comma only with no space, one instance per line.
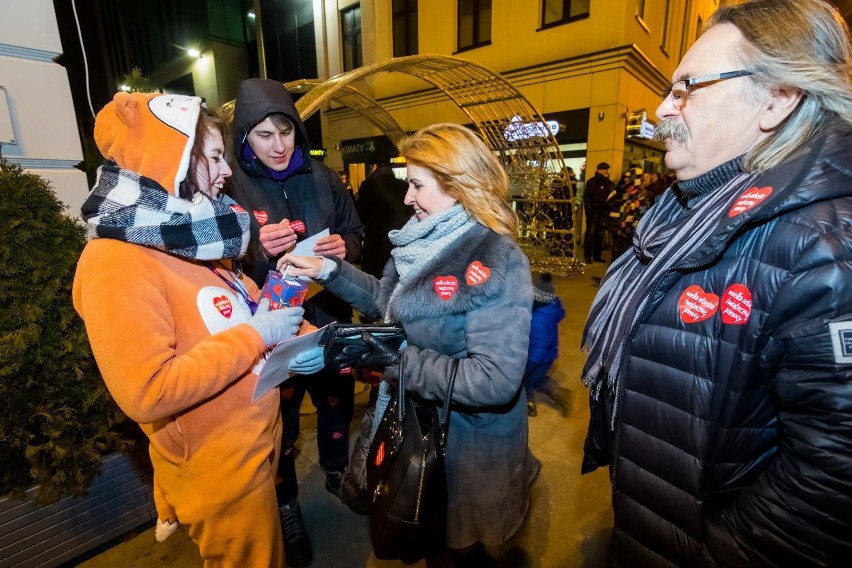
(72,58)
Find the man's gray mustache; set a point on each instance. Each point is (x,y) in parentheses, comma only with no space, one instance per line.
(670,128)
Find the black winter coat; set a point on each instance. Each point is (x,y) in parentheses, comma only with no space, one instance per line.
(733,440)
(314,194)
(380,205)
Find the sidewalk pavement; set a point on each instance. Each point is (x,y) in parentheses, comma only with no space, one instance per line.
(570,516)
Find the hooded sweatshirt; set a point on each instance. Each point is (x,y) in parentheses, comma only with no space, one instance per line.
(312,193)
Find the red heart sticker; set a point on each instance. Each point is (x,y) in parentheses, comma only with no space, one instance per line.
(696,305)
(736,304)
(261,216)
(445,286)
(297,226)
(237,208)
(380,454)
(749,199)
(223,304)
(477,273)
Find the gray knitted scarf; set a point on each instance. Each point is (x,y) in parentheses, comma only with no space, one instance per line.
(128,207)
(668,233)
(418,242)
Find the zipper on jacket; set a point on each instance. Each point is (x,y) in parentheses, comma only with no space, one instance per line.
(619,391)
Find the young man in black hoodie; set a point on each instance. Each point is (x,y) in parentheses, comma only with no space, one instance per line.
(291,196)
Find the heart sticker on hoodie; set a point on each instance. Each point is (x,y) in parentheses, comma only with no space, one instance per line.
(298,226)
(696,305)
(261,216)
(748,200)
(445,286)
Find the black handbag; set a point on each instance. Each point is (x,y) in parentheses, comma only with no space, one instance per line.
(406,478)
(342,343)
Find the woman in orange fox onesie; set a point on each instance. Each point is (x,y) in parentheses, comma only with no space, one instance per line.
(175,327)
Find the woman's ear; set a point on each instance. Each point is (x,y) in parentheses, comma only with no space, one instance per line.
(782,102)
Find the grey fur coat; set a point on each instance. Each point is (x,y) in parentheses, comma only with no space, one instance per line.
(484,323)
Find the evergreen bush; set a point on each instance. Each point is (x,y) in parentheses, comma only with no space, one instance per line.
(57,419)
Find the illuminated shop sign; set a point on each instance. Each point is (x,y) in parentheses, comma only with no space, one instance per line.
(520,130)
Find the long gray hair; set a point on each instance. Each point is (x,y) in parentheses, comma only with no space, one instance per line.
(802,44)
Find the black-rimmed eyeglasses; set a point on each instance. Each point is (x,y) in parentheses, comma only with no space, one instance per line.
(679,90)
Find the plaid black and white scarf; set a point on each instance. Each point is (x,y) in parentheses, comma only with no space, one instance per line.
(128,207)
(667,234)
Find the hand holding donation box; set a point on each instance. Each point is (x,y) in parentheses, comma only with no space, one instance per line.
(276,370)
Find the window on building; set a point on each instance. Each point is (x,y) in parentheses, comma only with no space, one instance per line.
(404,27)
(557,12)
(474,23)
(350,23)
(664,39)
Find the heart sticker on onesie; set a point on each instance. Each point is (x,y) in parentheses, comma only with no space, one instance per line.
(696,305)
(445,286)
(477,273)
(223,304)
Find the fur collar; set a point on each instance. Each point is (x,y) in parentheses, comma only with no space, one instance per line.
(419,299)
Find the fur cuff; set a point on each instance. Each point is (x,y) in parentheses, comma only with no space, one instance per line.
(165,529)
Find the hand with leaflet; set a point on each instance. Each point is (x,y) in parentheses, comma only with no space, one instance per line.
(308,362)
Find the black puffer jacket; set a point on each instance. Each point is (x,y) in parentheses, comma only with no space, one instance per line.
(733,443)
(314,194)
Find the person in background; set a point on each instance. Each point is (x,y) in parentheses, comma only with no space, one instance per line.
(461,289)
(344,178)
(176,327)
(381,207)
(625,211)
(719,367)
(292,196)
(595,195)
(547,312)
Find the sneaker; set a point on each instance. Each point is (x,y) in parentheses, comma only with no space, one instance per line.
(343,485)
(532,410)
(297,545)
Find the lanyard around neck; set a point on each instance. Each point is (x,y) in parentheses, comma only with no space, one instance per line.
(237,287)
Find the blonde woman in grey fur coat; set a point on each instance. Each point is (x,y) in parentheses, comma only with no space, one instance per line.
(460,287)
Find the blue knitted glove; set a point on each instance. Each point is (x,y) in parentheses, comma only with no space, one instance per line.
(308,362)
(274,326)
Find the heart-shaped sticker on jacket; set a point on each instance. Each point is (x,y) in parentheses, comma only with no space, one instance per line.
(736,304)
(477,273)
(298,226)
(261,216)
(223,304)
(445,286)
(748,200)
(696,305)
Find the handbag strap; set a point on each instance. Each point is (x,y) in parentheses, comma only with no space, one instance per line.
(445,410)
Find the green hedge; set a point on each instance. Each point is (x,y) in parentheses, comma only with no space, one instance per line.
(57,419)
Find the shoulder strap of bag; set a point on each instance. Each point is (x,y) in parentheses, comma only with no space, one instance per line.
(445,412)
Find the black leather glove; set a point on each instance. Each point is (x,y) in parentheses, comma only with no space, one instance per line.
(374,354)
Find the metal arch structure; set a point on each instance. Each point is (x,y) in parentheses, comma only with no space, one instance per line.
(542,194)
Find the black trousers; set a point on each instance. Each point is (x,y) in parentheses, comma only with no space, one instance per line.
(333,395)
(593,237)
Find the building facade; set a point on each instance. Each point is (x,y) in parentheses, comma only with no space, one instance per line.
(594,66)
(38,128)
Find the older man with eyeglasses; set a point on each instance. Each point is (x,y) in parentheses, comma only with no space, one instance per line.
(720,350)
